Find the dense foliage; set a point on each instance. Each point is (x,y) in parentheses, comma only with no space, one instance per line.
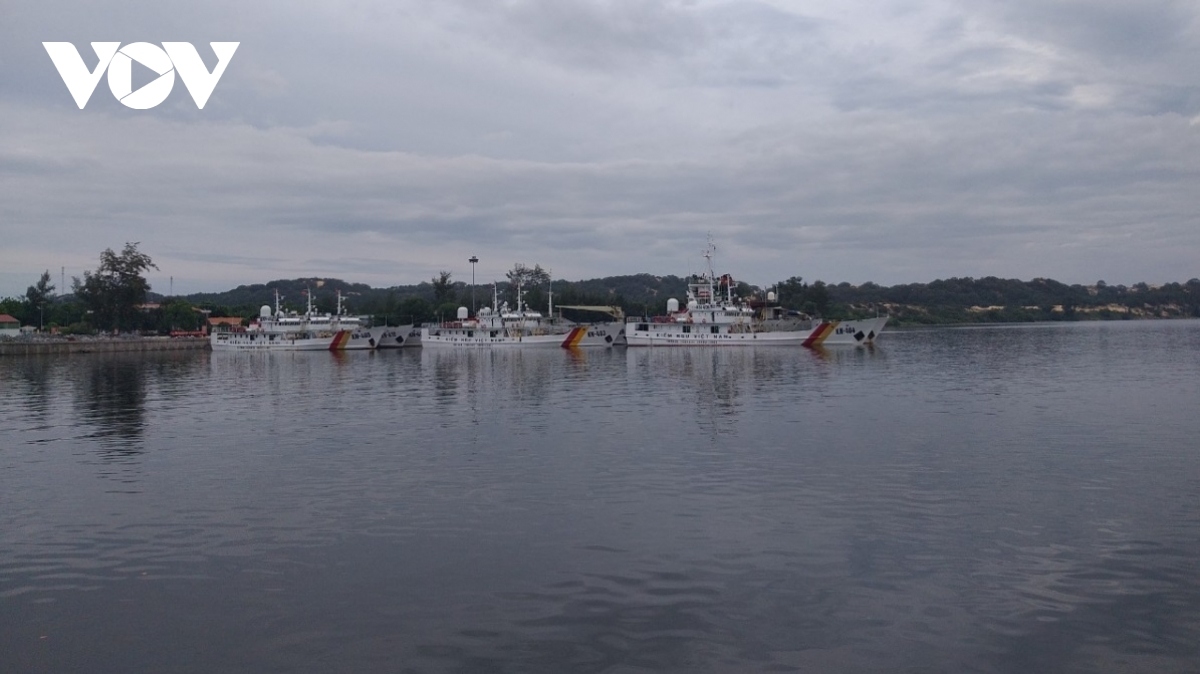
(115,297)
(954,300)
(112,294)
(991,299)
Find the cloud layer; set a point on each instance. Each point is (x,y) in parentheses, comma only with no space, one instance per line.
(846,141)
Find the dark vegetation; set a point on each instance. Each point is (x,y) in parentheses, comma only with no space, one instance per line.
(117,298)
(991,299)
(956,300)
(114,298)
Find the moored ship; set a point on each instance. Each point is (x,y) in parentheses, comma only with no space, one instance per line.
(714,316)
(500,326)
(277,330)
(396,336)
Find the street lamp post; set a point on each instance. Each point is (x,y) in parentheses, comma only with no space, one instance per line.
(473,260)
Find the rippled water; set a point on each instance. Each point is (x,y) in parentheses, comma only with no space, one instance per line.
(1009,499)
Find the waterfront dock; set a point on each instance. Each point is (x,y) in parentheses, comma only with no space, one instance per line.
(31,347)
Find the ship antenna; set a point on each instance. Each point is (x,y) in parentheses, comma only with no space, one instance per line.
(708,256)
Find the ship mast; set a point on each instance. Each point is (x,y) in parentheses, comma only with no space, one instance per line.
(710,278)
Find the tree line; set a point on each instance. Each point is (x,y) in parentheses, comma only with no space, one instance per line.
(113,298)
(992,299)
(955,300)
(117,298)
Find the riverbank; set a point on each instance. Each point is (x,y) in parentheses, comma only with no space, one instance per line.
(21,347)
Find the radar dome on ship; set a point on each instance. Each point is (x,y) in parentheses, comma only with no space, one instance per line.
(771,296)
(463,313)
(692,304)
(264,311)
(672,306)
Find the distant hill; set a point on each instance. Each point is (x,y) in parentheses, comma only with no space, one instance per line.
(954,300)
(991,299)
(638,293)
(294,293)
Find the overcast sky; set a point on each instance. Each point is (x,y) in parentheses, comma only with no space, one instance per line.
(844,140)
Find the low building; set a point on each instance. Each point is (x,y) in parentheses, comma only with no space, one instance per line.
(224,323)
(9,326)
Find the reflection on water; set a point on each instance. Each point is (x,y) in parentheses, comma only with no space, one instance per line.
(845,355)
(719,384)
(111,395)
(106,395)
(28,382)
(989,500)
(112,391)
(522,374)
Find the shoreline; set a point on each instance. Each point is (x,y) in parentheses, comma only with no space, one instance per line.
(92,345)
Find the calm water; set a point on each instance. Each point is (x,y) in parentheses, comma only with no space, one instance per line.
(1012,499)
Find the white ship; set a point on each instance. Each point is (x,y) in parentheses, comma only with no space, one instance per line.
(248,340)
(276,330)
(396,336)
(714,316)
(499,326)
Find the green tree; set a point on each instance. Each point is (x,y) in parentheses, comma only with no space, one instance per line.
(178,314)
(818,294)
(528,278)
(813,298)
(14,307)
(442,287)
(792,292)
(414,310)
(112,294)
(37,297)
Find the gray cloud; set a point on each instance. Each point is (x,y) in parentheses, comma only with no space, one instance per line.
(616,34)
(383,142)
(1108,30)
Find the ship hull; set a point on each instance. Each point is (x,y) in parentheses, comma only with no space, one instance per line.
(267,341)
(825,333)
(396,336)
(581,336)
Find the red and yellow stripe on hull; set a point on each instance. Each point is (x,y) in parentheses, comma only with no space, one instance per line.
(821,333)
(574,338)
(339,340)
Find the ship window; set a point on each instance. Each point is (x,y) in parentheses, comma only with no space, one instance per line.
(642,327)
(470,333)
(715,329)
(687,328)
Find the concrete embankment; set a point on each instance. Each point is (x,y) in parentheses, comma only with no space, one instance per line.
(63,346)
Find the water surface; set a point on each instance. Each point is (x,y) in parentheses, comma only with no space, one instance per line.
(1001,499)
